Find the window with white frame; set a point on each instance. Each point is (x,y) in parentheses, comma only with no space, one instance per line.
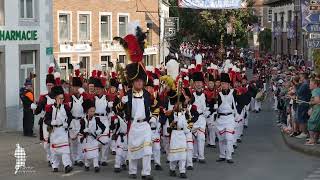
(106,62)
(26,9)
(122,59)
(2,17)
(149,33)
(123,25)
(84,27)
(105,27)
(64,27)
(270,15)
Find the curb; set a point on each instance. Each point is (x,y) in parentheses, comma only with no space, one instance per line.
(300,147)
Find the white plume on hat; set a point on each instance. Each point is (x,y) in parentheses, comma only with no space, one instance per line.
(172,68)
(76,67)
(56,75)
(51,65)
(150,68)
(156,82)
(184,70)
(198,59)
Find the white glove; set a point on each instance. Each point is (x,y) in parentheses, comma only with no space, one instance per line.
(33,106)
(153,120)
(86,130)
(65,124)
(110,104)
(215,106)
(120,87)
(81,90)
(99,131)
(54,122)
(206,113)
(124,99)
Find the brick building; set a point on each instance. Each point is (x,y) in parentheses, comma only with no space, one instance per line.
(83,31)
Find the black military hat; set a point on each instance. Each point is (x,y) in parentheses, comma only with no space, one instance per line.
(135,71)
(225,78)
(98,83)
(211,77)
(114,82)
(50,79)
(197,76)
(57,90)
(87,104)
(76,81)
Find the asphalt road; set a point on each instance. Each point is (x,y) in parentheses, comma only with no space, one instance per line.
(261,156)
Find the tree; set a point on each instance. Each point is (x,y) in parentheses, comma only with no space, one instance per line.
(209,25)
(265,38)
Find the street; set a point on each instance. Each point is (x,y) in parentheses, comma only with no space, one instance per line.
(262,155)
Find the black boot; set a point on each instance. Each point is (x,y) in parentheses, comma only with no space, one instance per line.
(132,176)
(80,164)
(230,161)
(183,175)
(104,164)
(172,173)
(221,159)
(86,168)
(55,170)
(189,168)
(96,169)
(67,169)
(117,170)
(158,167)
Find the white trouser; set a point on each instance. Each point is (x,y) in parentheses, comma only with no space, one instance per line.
(121,157)
(252,104)
(211,135)
(56,158)
(113,145)
(189,157)
(246,119)
(156,151)
(104,152)
(165,143)
(198,148)
(182,166)
(146,166)
(46,147)
(226,139)
(275,105)
(95,162)
(238,132)
(76,150)
(257,105)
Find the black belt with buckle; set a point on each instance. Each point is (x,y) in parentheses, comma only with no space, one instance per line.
(153,128)
(77,118)
(56,126)
(100,114)
(179,129)
(224,114)
(140,121)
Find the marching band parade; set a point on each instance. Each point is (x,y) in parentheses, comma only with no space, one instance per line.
(139,112)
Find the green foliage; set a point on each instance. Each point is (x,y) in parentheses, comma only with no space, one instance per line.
(316,59)
(265,38)
(209,25)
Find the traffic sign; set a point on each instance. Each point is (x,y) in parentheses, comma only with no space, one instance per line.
(312,28)
(313,18)
(313,43)
(171,26)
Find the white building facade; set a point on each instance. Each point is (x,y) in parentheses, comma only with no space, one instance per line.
(25,46)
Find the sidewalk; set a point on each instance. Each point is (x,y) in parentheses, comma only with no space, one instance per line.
(298,145)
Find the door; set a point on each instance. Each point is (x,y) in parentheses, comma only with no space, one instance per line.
(66,68)
(2,92)
(27,66)
(84,64)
